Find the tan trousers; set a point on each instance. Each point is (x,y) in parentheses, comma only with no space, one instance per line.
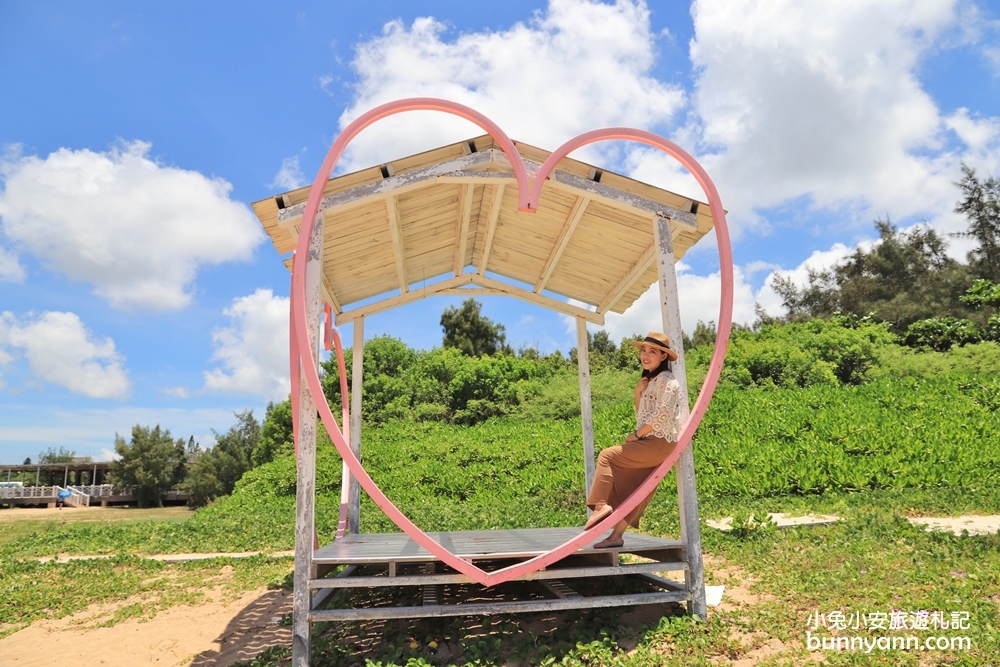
(622,469)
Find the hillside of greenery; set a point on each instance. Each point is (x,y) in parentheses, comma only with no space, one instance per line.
(822,407)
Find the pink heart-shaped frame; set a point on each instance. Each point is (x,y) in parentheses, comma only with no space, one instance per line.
(528,201)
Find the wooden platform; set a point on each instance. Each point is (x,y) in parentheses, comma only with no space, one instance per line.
(376,561)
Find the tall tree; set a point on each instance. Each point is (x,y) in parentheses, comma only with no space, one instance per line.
(980,203)
(148,462)
(276,435)
(471,333)
(215,472)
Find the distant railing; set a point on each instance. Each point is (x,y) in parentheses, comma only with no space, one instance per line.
(77,498)
(30,492)
(95,490)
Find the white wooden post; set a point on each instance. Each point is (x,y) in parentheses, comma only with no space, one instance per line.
(687,493)
(357,378)
(305,489)
(586,407)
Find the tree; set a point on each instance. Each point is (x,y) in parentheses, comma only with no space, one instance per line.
(27,461)
(51,455)
(276,436)
(985,294)
(474,335)
(703,334)
(980,203)
(903,277)
(148,463)
(215,472)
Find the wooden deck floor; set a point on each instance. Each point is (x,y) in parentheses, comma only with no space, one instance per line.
(379,561)
(474,545)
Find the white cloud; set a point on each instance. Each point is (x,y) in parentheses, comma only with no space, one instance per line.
(823,102)
(107,455)
(60,350)
(253,350)
(11,270)
(176,392)
(136,230)
(981,135)
(818,261)
(290,176)
(577,66)
(699,296)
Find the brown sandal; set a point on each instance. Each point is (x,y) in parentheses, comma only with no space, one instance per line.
(608,544)
(598,516)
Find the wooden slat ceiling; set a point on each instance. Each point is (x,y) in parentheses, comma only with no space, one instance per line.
(447,221)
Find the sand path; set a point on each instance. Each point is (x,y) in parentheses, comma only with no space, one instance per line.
(218,633)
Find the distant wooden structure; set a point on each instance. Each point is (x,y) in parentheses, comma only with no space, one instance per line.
(450,221)
(86,480)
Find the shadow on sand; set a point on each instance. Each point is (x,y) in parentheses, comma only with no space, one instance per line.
(522,639)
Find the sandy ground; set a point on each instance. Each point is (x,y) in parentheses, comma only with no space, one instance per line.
(216,633)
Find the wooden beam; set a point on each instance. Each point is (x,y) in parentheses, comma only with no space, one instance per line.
(578,185)
(305,484)
(579,208)
(451,286)
(687,493)
(396,232)
(357,382)
(402,299)
(389,186)
(461,243)
(586,409)
(537,299)
(625,284)
(330,297)
(491,227)
(470,169)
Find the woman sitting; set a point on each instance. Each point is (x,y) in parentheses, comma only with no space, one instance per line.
(623,468)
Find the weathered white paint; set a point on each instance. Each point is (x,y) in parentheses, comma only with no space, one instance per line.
(396,233)
(449,285)
(586,407)
(357,379)
(468,168)
(686,489)
(305,519)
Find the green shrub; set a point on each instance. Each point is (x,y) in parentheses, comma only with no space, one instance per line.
(819,352)
(941,333)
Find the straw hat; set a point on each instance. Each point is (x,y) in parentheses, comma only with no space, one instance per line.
(657,339)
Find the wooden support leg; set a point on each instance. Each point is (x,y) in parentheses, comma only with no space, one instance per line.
(357,380)
(586,410)
(687,493)
(305,496)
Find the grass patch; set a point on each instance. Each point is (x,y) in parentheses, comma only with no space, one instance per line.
(33,590)
(16,523)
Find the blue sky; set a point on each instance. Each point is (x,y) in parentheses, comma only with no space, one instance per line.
(137,287)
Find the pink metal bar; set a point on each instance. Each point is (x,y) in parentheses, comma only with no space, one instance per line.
(528,201)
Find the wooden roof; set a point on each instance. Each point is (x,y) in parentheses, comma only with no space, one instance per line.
(446,221)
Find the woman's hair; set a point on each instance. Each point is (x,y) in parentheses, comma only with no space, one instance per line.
(664,366)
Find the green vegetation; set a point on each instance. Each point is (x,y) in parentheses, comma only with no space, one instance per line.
(214,473)
(151,463)
(467,331)
(53,455)
(821,416)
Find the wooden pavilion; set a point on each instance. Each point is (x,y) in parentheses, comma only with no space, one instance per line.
(447,221)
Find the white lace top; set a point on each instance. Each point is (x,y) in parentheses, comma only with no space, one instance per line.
(659,406)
